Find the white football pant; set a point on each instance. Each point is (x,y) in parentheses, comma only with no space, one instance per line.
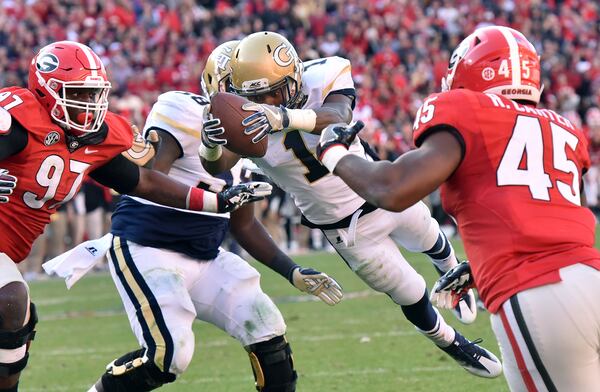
(370,248)
(549,336)
(165,291)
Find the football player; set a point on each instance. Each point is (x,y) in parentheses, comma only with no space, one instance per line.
(169,269)
(52,134)
(511,176)
(292,103)
(216,75)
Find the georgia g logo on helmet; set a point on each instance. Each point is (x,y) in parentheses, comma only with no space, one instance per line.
(287,58)
(47,62)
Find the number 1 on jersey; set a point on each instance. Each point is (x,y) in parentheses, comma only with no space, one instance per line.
(293,141)
(527,143)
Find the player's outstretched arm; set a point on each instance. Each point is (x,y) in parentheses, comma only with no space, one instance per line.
(266,119)
(396,185)
(253,237)
(126,177)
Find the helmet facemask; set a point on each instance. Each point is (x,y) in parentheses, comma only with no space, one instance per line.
(91,114)
(256,90)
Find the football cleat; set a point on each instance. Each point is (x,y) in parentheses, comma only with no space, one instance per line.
(466,308)
(473,358)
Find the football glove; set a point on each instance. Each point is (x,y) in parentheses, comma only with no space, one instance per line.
(265,120)
(318,284)
(451,286)
(211,131)
(236,196)
(142,150)
(7,184)
(335,142)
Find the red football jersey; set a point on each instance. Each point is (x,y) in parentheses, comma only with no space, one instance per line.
(48,174)
(516,193)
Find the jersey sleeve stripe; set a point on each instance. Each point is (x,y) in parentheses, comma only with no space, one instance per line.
(161,117)
(328,88)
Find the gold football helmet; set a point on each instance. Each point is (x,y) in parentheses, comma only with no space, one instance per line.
(265,62)
(216,76)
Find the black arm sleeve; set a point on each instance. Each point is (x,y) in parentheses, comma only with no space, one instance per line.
(120,174)
(14,141)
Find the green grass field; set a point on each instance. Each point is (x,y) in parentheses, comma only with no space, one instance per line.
(363,344)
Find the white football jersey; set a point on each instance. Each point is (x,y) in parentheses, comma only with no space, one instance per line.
(182,114)
(291,160)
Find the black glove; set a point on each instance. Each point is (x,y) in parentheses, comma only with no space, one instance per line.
(236,196)
(451,286)
(336,135)
(7,184)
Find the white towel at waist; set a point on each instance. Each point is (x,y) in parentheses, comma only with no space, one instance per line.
(75,263)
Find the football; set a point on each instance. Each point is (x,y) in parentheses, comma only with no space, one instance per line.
(228,108)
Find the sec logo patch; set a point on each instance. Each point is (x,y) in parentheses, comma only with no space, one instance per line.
(52,138)
(488,74)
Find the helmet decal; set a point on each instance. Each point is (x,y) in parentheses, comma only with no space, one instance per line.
(488,74)
(47,62)
(287,58)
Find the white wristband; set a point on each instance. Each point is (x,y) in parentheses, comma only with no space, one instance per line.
(332,156)
(210,154)
(302,119)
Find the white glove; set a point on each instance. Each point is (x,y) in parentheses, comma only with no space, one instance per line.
(7,184)
(318,284)
(265,120)
(211,130)
(451,286)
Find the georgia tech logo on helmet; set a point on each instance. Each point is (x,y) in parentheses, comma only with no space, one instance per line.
(47,62)
(283,55)
(223,61)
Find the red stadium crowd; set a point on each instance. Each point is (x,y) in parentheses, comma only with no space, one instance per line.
(399,49)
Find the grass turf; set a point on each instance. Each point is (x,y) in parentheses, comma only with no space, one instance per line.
(363,344)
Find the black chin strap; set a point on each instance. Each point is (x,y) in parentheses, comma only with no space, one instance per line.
(92,138)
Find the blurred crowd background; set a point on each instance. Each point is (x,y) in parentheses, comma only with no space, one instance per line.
(399,51)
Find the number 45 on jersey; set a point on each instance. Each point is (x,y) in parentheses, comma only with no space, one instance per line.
(527,140)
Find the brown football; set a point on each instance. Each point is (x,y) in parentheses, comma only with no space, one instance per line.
(228,108)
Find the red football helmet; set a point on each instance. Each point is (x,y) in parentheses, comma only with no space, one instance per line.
(498,60)
(59,68)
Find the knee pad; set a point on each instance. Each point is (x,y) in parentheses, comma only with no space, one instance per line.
(398,280)
(273,365)
(134,372)
(13,340)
